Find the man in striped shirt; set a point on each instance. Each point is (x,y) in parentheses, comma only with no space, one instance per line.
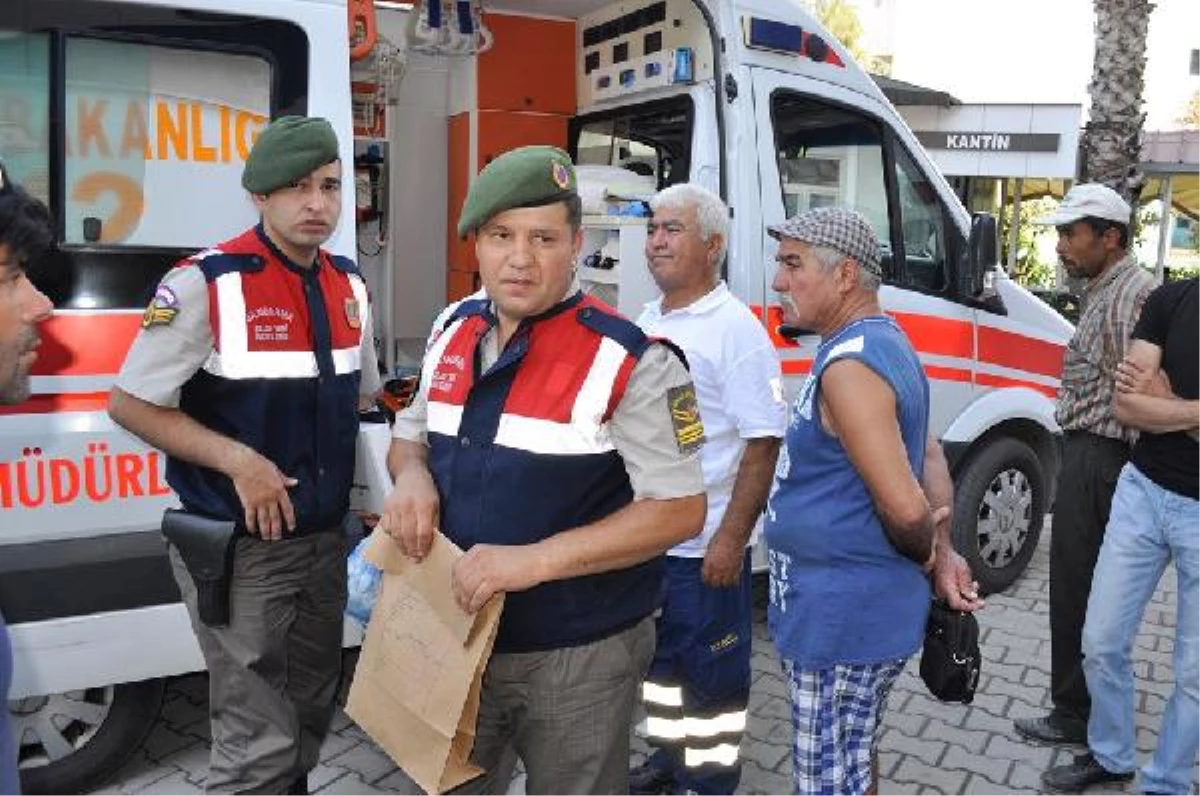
(1093,242)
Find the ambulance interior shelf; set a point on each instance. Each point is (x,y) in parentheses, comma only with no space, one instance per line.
(612,263)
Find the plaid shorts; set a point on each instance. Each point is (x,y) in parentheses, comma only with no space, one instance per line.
(835,714)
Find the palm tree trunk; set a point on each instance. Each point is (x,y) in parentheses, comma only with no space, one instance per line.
(1112,139)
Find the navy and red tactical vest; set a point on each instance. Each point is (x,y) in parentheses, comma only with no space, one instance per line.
(523,451)
(283,376)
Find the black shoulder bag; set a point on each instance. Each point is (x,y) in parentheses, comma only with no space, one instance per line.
(950,658)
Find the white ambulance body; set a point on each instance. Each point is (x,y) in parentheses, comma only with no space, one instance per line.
(132,120)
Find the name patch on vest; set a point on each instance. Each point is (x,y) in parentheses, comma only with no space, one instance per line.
(685,418)
(269,324)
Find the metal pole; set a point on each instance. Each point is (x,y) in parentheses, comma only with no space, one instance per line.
(387,262)
(1164,225)
(1014,226)
(1003,198)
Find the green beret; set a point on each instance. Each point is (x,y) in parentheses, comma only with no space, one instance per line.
(529,176)
(287,149)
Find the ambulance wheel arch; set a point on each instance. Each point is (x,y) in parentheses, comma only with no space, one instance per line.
(76,741)
(1004,483)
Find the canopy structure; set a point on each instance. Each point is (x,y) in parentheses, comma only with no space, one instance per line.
(901,93)
(1171,163)
(1184,190)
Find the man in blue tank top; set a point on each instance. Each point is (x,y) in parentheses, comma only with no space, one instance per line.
(24,234)
(850,530)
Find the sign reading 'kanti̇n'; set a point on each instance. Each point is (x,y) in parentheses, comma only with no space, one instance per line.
(989,142)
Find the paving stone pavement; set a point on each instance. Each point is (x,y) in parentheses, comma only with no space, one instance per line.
(926,746)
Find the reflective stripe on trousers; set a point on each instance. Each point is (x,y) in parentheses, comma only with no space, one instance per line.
(702,738)
(696,693)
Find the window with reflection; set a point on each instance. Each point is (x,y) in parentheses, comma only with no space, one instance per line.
(830,156)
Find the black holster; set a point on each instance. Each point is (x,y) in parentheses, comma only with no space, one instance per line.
(206,547)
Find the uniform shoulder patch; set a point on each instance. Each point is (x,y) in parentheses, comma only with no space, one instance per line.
(685,418)
(162,309)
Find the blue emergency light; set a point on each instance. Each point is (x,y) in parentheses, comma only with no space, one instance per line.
(781,37)
(767,34)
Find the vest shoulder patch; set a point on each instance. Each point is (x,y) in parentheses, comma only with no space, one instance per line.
(465,309)
(344,264)
(220,263)
(676,350)
(615,327)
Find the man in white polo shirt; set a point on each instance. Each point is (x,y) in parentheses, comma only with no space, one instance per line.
(699,682)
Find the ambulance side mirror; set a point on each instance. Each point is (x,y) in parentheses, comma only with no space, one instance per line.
(982,255)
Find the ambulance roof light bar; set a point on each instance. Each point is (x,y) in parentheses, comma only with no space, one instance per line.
(767,34)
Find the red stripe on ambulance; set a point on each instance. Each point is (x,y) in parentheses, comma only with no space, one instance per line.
(48,403)
(85,345)
(992,380)
(1020,352)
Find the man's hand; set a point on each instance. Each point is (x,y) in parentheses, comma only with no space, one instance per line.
(952,579)
(262,490)
(1144,399)
(1134,378)
(410,512)
(486,569)
(723,560)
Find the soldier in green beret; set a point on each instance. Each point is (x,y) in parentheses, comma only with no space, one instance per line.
(558,446)
(248,372)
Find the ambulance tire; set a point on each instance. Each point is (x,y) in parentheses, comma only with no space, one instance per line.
(99,749)
(999,505)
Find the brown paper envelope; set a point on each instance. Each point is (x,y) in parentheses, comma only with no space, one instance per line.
(427,577)
(417,662)
(416,688)
(394,728)
(459,767)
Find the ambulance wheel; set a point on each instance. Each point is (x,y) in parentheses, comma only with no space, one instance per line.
(999,504)
(75,741)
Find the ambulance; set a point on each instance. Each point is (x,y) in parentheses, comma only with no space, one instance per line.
(132,120)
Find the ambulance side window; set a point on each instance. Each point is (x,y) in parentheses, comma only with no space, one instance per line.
(828,154)
(831,156)
(24,101)
(155,141)
(923,229)
(132,122)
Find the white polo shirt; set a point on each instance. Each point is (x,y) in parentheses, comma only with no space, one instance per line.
(739,388)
